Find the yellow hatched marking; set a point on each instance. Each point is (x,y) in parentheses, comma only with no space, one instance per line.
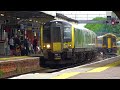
(66,75)
(100,69)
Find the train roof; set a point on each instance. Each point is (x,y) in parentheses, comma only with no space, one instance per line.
(75,25)
(106,35)
(63,21)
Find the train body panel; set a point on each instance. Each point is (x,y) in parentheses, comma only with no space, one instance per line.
(85,39)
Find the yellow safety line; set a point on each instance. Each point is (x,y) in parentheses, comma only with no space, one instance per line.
(17,57)
(99,69)
(65,75)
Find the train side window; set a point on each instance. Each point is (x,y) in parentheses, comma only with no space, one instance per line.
(99,41)
(67,33)
(114,41)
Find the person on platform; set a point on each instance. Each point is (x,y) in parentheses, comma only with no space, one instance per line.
(35,42)
(11,42)
(26,45)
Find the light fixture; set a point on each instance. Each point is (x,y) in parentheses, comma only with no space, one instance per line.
(48,46)
(18,18)
(30,20)
(2,14)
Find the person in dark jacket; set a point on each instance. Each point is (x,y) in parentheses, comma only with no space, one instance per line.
(17,45)
(23,50)
(35,45)
(26,45)
(17,41)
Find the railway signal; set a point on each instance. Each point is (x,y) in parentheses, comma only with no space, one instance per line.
(112,21)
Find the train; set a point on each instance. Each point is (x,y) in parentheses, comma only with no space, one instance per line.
(107,44)
(64,42)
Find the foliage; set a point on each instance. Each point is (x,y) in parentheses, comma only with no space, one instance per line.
(96,27)
(101,29)
(1,73)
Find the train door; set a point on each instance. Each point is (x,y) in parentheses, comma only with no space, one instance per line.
(109,42)
(56,37)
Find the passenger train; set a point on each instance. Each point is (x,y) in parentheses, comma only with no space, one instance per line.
(107,44)
(63,42)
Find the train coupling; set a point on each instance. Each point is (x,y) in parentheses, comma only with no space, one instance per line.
(57,56)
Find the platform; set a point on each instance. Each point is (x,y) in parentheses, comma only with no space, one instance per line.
(11,66)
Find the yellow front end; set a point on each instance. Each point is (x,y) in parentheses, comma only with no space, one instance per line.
(109,42)
(57,47)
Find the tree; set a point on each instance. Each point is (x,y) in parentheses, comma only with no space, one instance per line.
(103,28)
(95,27)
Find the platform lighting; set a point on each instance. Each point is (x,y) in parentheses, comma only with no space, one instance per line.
(2,14)
(18,18)
(30,20)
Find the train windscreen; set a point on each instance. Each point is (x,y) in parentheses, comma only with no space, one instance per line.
(46,34)
(56,34)
(114,41)
(105,41)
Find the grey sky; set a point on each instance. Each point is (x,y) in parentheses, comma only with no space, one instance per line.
(80,15)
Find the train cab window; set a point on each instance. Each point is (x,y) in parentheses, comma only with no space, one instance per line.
(56,34)
(114,41)
(46,34)
(104,40)
(67,34)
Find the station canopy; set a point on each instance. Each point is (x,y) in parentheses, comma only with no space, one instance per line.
(16,16)
(117,13)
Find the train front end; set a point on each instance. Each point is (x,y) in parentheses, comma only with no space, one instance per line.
(109,44)
(57,40)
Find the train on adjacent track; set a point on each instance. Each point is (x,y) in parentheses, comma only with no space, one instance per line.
(63,42)
(107,44)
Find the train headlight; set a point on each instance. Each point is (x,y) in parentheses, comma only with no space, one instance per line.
(44,46)
(48,46)
(70,45)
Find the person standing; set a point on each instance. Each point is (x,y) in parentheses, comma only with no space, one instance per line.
(17,45)
(35,44)
(30,47)
(26,45)
(11,42)
(17,41)
(6,46)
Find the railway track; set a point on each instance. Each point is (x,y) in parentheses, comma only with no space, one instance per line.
(51,70)
(59,68)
